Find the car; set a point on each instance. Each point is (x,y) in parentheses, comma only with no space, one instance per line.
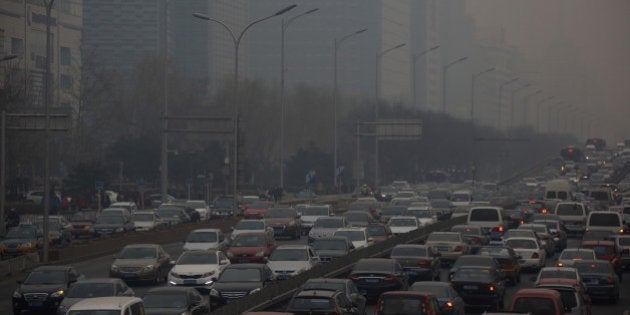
(623,243)
(192,215)
(44,288)
(449,300)
(379,232)
(358,218)
(174,301)
(543,234)
(147,221)
(357,235)
(569,256)
(606,250)
(556,228)
(403,224)
(345,286)
(371,206)
(251,248)
(419,262)
(557,273)
(141,262)
(129,205)
(197,268)
(57,235)
(600,279)
(312,302)
(330,248)
(424,214)
(92,288)
(326,227)
(572,292)
(83,224)
(223,206)
(287,261)
(392,210)
(257,210)
(311,213)
(473,235)
(109,224)
(480,286)
(514,217)
(251,226)
(123,211)
(573,214)
(597,235)
(377,275)
(20,240)
(201,207)
(538,301)
(611,222)
(473,261)
(532,254)
(450,245)
(285,222)
(490,219)
(35,196)
(206,239)
(172,216)
(407,303)
(445,209)
(118,305)
(239,280)
(507,259)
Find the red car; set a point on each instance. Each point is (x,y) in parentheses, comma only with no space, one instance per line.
(379,232)
(251,248)
(606,250)
(407,302)
(256,210)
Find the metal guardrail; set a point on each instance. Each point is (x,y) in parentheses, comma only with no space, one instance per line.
(282,291)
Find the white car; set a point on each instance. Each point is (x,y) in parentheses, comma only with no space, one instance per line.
(311,213)
(403,224)
(205,239)
(287,261)
(146,220)
(532,254)
(251,226)
(200,206)
(569,255)
(424,214)
(197,268)
(129,205)
(357,235)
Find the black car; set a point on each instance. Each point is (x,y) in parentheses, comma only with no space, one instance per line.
(313,302)
(44,288)
(419,262)
(473,235)
(175,301)
(91,288)
(330,248)
(374,276)
(474,261)
(479,286)
(239,280)
(345,286)
(600,279)
(508,261)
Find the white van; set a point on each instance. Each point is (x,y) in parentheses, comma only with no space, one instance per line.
(461,198)
(559,189)
(120,305)
(573,214)
(490,219)
(605,221)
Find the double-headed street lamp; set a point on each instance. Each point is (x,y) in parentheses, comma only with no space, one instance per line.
(512,102)
(237,42)
(285,24)
(472,92)
(538,111)
(414,59)
(377,83)
(444,69)
(336,44)
(500,101)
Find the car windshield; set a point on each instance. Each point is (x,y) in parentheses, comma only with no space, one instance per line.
(442,237)
(249,241)
(250,225)
(165,300)
(328,223)
(21,233)
(138,253)
(286,254)
(576,254)
(604,219)
(81,217)
(472,274)
(560,274)
(321,244)
(110,219)
(352,235)
(197,258)
(196,204)
(240,275)
(223,203)
(441,204)
(376,231)
(311,303)
(403,305)
(484,215)
(420,213)
(394,211)
(552,225)
(167,213)
(534,305)
(280,213)
(202,237)
(519,233)
(409,251)
(53,225)
(321,285)
(403,222)
(601,250)
(594,267)
(46,277)
(518,243)
(472,261)
(90,290)
(315,211)
(569,209)
(142,217)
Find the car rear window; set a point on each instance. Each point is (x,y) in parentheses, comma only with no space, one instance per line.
(484,215)
(393,305)
(319,303)
(604,219)
(534,305)
(569,210)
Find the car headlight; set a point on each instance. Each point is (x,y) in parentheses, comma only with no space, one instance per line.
(208,274)
(148,268)
(260,254)
(58,293)
(254,291)
(17,294)
(113,268)
(214,292)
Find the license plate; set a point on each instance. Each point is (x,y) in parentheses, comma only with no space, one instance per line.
(243,260)
(190,281)
(371,280)
(128,275)
(410,272)
(470,287)
(35,304)
(442,248)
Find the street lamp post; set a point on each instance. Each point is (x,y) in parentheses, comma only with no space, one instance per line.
(237,42)
(472,92)
(444,69)
(284,25)
(500,104)
(512,103)
(3,156)
(377,84)
(336,44)
(538,111)
(526,104)
(164,148)
(414,59)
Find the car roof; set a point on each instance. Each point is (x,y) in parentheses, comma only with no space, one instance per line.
(411,246)
(292,246)
(432,283)
(558,269)
(105,303)
(534,292)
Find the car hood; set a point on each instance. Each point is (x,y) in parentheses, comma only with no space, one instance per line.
(200,246)
(144,223)
(331,253)
(48,288)
(288,265)
(134,262)
(165,311)
(194,269)
(311,218)
(236,286)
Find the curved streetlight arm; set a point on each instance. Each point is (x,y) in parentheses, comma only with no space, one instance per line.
(8,57)
(420,54)
(285,10)
(390,49)
(342,39)
(207,18)
(285,23)
(483,72)
(452,63)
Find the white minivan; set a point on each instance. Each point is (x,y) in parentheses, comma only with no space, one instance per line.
(119,305)
(490,219)
(605,221)
(573,215)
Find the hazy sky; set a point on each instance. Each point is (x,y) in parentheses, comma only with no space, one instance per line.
(599,33)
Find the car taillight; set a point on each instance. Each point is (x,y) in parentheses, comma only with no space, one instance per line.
(497,228)
(458,248)
(535,255)
(560,264)
(449,305)
(424,263)
(390,279)
(491,288)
